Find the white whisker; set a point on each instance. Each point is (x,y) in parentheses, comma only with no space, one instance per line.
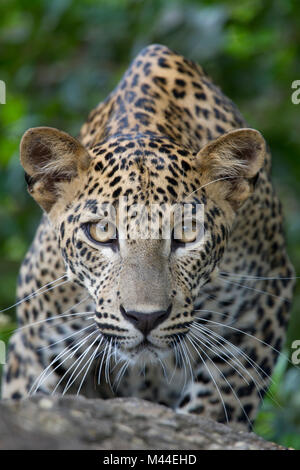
(243,332)
(163,368)
(214,349)
(256,278)
(61,315)
(107,364)
(214,181)
(250,361)
(67,350)
(182,358)
(211,376)
(230,386)
(88,364)
(101,363)
(65,337)
(37,293)
(212,311)
(78,362)
(120,375)
(252,288)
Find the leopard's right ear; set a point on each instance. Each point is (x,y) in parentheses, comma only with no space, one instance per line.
(230,164)
(51,159)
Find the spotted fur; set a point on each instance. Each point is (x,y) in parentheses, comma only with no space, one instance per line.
(165,135)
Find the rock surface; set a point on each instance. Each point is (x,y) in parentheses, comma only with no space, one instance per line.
(73,422)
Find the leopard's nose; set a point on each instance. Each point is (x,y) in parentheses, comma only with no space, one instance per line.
(145,322)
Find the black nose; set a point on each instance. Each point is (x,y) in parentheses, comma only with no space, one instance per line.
(145,322)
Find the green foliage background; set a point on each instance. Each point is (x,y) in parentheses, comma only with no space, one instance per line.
(59,58)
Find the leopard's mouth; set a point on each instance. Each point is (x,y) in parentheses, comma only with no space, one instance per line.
(146,352)
(144,346)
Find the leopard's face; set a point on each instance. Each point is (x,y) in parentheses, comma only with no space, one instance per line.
(143,237)
(145,289)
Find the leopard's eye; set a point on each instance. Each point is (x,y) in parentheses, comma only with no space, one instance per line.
(102,232)
(185,233)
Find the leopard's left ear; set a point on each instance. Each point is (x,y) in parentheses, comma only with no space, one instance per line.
(50,158)
(230,164)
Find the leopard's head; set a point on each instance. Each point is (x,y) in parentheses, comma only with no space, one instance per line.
(142,223)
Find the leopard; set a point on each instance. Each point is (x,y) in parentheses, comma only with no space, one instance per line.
(192,315)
